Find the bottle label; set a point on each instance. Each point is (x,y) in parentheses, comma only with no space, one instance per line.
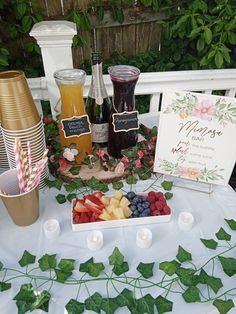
(99,132)
(125,121)
(76,126)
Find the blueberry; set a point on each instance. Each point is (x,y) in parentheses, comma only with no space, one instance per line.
(140,207)
(135,200)
(136,213)
(145,204)
(146,213)
(133,208)
(130,195)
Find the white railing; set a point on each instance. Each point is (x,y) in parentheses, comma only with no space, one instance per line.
(55,40)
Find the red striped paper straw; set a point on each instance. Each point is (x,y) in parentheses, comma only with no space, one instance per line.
(36,173)
(29,157)
(40,171)
(19,167)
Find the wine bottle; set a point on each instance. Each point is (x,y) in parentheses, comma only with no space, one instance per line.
(98,104)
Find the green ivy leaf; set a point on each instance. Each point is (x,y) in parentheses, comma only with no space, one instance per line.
(26,259)
(116,258)
(209,243)
(79,183)
(223,306)
(117,185)
(223,235)
(146,269)
(229,265)
(57,184)
(163,305)
(74,170)
(62,276)
(169,268)
(47,262)
(168,195)
(167,185)
(94,303)
(93,269)
(25,298)
(145,304)
(131,180)
(41,302)
(61,198)
(74,307)
(213,282)
(70,187)
(66,264)
(231,223)
(186,276)
(120,269)
(126,298)
(4,286)
(70,197)
(109,305)
(191,295)
(183,255)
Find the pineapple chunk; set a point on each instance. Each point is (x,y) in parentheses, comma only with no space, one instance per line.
(104,215)
(115,202)
(118,213)
(124,202)
(118,195)
(127,211)
(105,200)
(110,208)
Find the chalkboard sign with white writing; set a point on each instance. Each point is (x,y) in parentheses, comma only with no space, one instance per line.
(76,126)
(125,121)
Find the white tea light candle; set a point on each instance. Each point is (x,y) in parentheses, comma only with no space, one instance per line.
(51,228)
(144,238)
(185,221)
(95,240)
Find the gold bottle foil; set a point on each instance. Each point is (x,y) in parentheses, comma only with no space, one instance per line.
(17,107)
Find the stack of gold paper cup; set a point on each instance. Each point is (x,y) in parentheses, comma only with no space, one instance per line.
(20,118)
(3,154)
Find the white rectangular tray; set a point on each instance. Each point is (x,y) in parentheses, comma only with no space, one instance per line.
(119,222)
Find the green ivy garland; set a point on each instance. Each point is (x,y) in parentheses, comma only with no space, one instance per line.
(181,276)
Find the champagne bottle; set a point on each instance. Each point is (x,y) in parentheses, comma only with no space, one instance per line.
(98,104)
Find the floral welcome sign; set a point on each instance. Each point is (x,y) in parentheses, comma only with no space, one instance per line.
(197,137)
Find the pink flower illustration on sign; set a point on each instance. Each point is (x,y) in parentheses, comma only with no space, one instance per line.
(193,173)
(182,172)
(204,110)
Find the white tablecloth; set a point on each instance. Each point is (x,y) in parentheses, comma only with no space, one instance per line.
(209,211)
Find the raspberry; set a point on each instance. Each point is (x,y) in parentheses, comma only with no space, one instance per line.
(166,210)
(153,207)
(162,199)
(159,205)
(159,194)
(151,199)
(151,193)
(156,213)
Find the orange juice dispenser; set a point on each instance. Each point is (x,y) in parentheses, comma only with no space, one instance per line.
(74,125)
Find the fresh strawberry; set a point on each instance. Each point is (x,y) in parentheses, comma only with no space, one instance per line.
(79,206)
(91,208)
(93,201)
(84,217)
(98,194)
(76,217)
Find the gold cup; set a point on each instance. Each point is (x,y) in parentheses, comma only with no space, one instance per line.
(22,208)
(17,107)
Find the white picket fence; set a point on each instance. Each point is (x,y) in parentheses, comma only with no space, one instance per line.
(55,40)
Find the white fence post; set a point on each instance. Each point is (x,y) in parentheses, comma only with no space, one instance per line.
(55,40)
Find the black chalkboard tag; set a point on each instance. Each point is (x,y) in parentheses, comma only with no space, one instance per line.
(125,121)
(76,126)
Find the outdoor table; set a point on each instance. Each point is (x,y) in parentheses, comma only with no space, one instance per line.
(209,211)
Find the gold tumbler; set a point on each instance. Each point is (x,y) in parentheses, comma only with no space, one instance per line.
(17,107)
(22,208)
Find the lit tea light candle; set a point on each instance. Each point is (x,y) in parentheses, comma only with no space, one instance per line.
(185,221)
(51,228)
(95,240)
(144,238)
